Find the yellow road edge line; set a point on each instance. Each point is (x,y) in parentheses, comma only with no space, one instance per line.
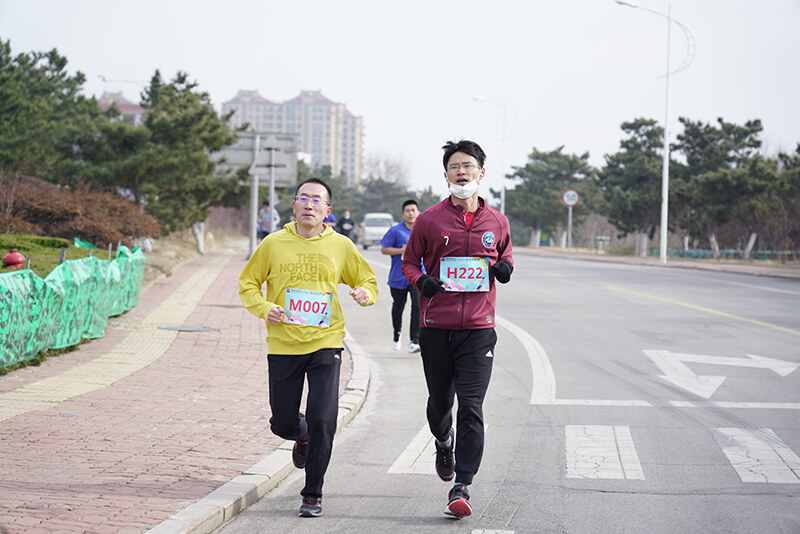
(709,310)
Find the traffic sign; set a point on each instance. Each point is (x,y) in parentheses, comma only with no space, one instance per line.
(570,197)
(282,145)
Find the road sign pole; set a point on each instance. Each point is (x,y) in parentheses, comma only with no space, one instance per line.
(569,229)
(272,206)
(254,196)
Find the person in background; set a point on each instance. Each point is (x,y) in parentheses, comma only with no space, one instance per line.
(465,247)
(345,225)
(266,216)
(393,244)
(330,219)
(303,265)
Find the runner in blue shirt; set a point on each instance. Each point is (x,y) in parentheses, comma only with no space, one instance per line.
(393,244)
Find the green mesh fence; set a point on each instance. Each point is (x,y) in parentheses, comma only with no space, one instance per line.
(73,302)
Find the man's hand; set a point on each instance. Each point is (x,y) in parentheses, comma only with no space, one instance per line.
(275,315)
(360,295)
(429,285)
(502,271)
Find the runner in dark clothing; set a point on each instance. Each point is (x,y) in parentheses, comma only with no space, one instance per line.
(465,246)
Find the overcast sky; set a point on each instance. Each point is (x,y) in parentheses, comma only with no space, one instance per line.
(569,71)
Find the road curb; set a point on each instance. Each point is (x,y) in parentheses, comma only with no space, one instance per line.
(225,502)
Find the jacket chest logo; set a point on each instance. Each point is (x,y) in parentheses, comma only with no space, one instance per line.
(488,239)
(446,236)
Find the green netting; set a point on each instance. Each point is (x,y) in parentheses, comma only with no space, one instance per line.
(74,301)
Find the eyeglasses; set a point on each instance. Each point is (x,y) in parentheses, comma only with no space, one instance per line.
(466,166)
(314,201)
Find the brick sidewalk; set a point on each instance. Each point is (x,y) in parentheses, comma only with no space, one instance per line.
(131,453)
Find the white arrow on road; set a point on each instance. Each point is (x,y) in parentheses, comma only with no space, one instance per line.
(673,365)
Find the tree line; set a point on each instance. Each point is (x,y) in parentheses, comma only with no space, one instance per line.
(724,193)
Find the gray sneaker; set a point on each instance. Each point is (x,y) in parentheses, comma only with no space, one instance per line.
(311,507)
(445,463)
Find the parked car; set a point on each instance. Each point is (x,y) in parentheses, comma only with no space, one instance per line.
(374,227)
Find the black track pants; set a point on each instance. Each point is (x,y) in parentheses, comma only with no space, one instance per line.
(458,362)
(398,303)
(287,374)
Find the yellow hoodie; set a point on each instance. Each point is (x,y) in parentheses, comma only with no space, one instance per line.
(286,261)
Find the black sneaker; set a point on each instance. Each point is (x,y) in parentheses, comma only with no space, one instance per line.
(445,463)
(311,507)
(299,454)
(458,505)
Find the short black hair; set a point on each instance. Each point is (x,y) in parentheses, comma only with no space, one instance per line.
(314,180)
(468,147)
(410,201)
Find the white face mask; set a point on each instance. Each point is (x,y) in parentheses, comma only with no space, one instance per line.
(463,191)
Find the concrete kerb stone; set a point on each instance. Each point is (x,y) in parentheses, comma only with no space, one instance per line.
(222,504)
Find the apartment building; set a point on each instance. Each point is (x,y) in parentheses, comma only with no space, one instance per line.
(133,113)
(325,129)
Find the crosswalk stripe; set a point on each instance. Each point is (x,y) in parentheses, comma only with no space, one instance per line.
(601,451)
(414,459)
(758,455)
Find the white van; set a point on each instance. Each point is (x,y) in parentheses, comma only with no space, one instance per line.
(374,227)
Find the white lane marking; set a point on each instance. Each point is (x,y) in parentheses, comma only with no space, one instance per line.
(677,404)
(418,457)
(763,288)
(544,381)
(758,455)
(673,365)
(482,531)
(678,373)
(601,451)
(543,378)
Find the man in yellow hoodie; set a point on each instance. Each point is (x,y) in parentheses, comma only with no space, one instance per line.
(303,265)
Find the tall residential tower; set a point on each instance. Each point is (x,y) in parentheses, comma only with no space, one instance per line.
(325,129)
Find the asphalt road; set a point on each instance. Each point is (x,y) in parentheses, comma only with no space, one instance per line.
(624,398)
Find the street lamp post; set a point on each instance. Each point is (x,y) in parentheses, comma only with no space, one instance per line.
(665,165)
(502,150)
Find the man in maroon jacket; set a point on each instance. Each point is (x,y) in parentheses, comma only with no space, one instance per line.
(465,247)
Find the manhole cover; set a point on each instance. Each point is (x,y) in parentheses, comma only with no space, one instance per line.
(186,328)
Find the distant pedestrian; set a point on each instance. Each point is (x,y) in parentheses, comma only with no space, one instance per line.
(465,247)
(266,217)
(303,265)
(345,225)
(394,244)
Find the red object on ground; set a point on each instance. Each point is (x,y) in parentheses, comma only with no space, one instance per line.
(13,260)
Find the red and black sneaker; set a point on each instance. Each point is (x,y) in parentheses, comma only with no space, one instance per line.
(445,463)
(299,454)
(458,505)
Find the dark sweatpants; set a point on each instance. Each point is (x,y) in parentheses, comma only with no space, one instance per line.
(286,379)
(458,362)
(398,303)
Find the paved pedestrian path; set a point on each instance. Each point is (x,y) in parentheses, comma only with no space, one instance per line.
(147,423)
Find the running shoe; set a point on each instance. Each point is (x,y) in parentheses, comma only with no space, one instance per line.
(413,347)
(311,507)
(300,454)
(458,502)
(445,463)
(396,345)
